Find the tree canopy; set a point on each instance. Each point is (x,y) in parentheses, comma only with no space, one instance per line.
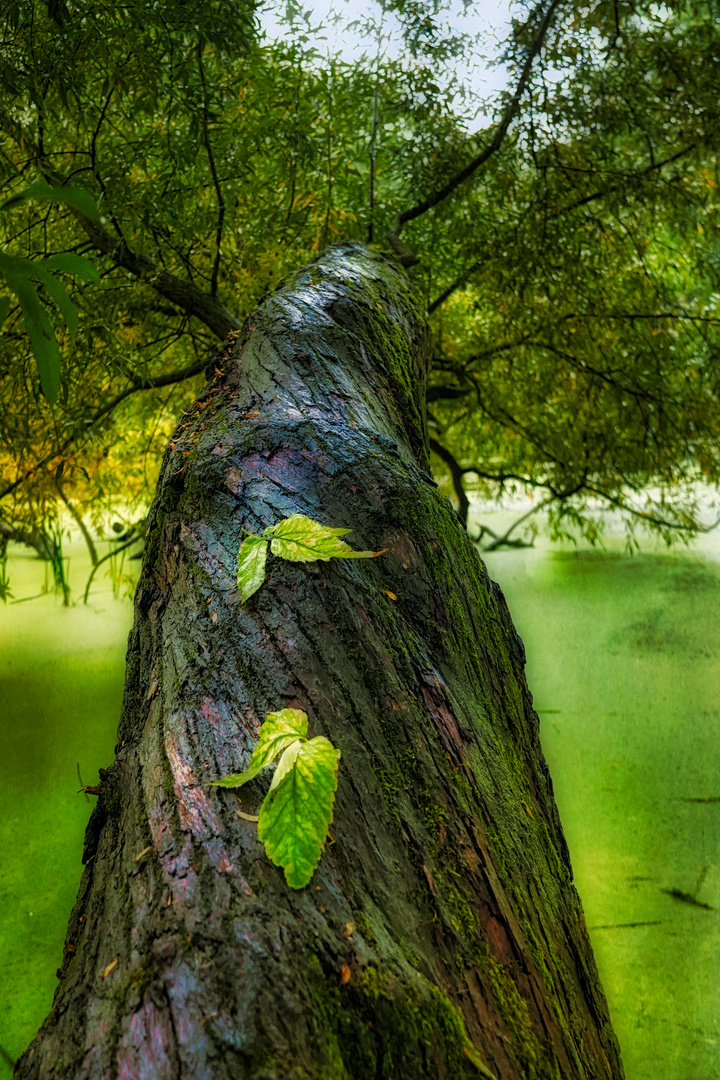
(567,247)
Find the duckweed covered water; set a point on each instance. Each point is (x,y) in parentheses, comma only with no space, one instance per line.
(61,679)
(624,664)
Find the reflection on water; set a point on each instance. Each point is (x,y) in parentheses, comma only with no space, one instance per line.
(624,664)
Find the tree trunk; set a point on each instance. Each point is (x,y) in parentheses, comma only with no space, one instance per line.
(441,936)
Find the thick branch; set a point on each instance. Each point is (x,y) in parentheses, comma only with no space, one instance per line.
(31,537)
(184,294)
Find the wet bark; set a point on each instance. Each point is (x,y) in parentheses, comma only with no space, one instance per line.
(441,936)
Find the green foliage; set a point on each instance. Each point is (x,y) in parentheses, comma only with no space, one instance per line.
(279,731)
(19,275)
(573,280)
(297,811)
(296,539)
(251,565)
(75,198)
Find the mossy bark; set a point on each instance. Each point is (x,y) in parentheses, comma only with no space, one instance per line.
(441,936)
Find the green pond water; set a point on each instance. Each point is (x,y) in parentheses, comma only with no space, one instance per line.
(624,664)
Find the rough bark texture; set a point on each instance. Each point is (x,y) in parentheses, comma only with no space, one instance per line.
(446,892)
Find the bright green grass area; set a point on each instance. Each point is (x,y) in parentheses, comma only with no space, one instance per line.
(624,664)
(61,677)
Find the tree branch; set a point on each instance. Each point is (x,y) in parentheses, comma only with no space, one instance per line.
(216,181)
(456,471)
(511,112)
(504,540)
(445,393)
(184,294)
(78,519)
(136,385)
(599,194)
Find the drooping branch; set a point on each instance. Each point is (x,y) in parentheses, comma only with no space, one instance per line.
(557,494)
(594,196)
(33,538)
(456,472)
(511,111)
(78,519)
(505,539)
(96,566)
(135,386)
(184,294)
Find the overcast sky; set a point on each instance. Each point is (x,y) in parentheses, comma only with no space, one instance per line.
(486,19)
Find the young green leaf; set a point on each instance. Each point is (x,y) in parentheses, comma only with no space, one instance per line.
(279,731)
(298,809)
(251,565)
(300,539)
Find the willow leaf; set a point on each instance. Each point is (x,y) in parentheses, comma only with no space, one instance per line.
(41,334)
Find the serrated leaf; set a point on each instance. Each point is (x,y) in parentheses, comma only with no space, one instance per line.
(41,334)
(251,565)
(298,809)
(279,730)
(300,539)
(77,198)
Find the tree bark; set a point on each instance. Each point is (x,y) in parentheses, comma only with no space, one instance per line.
(441,936)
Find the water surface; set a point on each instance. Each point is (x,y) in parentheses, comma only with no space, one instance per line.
(61,678)
(624,664)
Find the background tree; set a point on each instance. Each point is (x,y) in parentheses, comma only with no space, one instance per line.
(566,252)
